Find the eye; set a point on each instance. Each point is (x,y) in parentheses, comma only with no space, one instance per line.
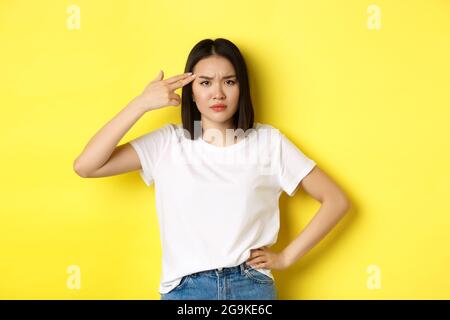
(232,82)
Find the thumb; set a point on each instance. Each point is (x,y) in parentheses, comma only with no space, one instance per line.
(160,76)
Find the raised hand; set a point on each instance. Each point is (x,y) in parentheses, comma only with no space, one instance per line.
(160,93)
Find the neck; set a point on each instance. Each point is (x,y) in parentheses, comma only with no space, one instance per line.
(217,135)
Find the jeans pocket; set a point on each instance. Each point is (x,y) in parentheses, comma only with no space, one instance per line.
(182,283)
(257,276)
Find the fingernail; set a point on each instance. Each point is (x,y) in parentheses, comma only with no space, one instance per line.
(189,73)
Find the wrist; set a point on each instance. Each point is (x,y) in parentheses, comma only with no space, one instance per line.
(137,106)
(288,258)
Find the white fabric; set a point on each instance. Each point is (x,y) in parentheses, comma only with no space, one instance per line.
(214,204)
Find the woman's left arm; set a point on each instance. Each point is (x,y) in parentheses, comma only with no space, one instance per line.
(334,205)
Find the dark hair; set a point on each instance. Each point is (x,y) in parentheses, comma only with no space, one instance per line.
(244,115)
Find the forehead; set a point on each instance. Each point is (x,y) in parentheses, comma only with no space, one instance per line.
(214,65)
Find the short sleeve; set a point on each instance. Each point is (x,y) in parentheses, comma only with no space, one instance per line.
(149,148)
(294,165)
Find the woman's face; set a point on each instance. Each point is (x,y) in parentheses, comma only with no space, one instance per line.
(216,82)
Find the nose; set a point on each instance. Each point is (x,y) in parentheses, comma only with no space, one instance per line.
(218,93)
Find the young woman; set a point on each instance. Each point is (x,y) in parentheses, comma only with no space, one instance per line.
(218,178)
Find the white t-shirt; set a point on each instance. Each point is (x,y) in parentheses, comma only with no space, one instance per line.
(214,204)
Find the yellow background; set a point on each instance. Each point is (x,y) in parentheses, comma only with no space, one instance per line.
(370,106)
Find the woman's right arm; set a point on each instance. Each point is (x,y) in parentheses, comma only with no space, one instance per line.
(102,157)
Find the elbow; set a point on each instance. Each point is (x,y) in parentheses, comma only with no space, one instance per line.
(340,202)
(79,170)
(343,203)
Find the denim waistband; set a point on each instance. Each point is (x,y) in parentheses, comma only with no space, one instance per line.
(224,271)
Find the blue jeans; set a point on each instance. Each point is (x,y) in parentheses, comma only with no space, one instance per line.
(241,282)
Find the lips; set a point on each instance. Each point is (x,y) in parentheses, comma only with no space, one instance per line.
(218,105)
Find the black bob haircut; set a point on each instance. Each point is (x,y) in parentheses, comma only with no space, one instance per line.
(244,116)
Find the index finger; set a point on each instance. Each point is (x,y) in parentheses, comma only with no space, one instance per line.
(176,78)
(181,83)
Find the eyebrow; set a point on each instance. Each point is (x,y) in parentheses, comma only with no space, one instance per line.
(226,77)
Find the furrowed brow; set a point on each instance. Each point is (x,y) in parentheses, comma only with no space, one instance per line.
(226,77)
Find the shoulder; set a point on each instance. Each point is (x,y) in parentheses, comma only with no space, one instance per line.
(267,131)
(166,130)
(160,134)
(268,137)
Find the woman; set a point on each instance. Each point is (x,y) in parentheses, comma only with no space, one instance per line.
(218,178)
